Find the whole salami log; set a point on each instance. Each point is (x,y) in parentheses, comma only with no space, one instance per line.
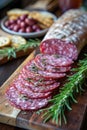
(67,36)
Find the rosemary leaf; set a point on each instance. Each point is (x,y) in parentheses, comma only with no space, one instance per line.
(30,44)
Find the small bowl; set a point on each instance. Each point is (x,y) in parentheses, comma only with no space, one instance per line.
(28,35)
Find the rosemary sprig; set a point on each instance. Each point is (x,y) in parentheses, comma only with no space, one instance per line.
(11,51)
(8,51)
(63,100)
(31,43)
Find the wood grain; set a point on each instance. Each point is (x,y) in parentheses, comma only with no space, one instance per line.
(29,119)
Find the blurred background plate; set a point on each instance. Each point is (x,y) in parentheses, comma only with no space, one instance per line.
(28,35)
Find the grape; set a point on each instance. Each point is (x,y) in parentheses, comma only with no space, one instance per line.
(7,23)
(22,24)
(16,28)
(21,30)
(11,27)
(22,17)
(12,21)
(29,29)
(38,30)
(27,21)
(36,27)
(18,21)
(30,21)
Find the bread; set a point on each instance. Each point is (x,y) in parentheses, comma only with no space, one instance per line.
(44,19)
(16,41)
(4,41)
(17,12)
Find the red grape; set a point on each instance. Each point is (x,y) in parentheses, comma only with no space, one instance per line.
(16,28)
(7,23)
(36,27)
(38,30)
(21,30)
(30,21)
(22,24)
(22,17)
(29,29)
(18,21)
(12,21)
(11,27)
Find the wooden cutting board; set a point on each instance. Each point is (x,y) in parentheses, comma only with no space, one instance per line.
(30,120)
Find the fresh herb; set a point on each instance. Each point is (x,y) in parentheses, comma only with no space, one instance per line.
(23,97)
(8,51)
(31,43)
(44,61)
(11,51)
(62,101)
(56,56)
(34,68)
(29,79)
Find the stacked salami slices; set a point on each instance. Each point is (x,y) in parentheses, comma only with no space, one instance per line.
(37,81)
(41,76)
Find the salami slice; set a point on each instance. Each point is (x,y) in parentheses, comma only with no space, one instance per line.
(39,80)
(55,60)
(32,68)
(21,86)
(26,74)
(59,47)
(50,75)
(23,102)
(50,68)
(43,89)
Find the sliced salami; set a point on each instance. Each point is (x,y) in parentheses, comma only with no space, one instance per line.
(48,87)
(23,102)
(25,74)
(32,68)
(54,60)
(41,82)
(50,75)
(59,47)
(21,86)
(43,89)
(50,68)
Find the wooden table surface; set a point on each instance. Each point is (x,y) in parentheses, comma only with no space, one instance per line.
(5,71)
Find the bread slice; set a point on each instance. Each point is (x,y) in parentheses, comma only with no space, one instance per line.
(4,41)
(46,20)
(16,41)
(17,12)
